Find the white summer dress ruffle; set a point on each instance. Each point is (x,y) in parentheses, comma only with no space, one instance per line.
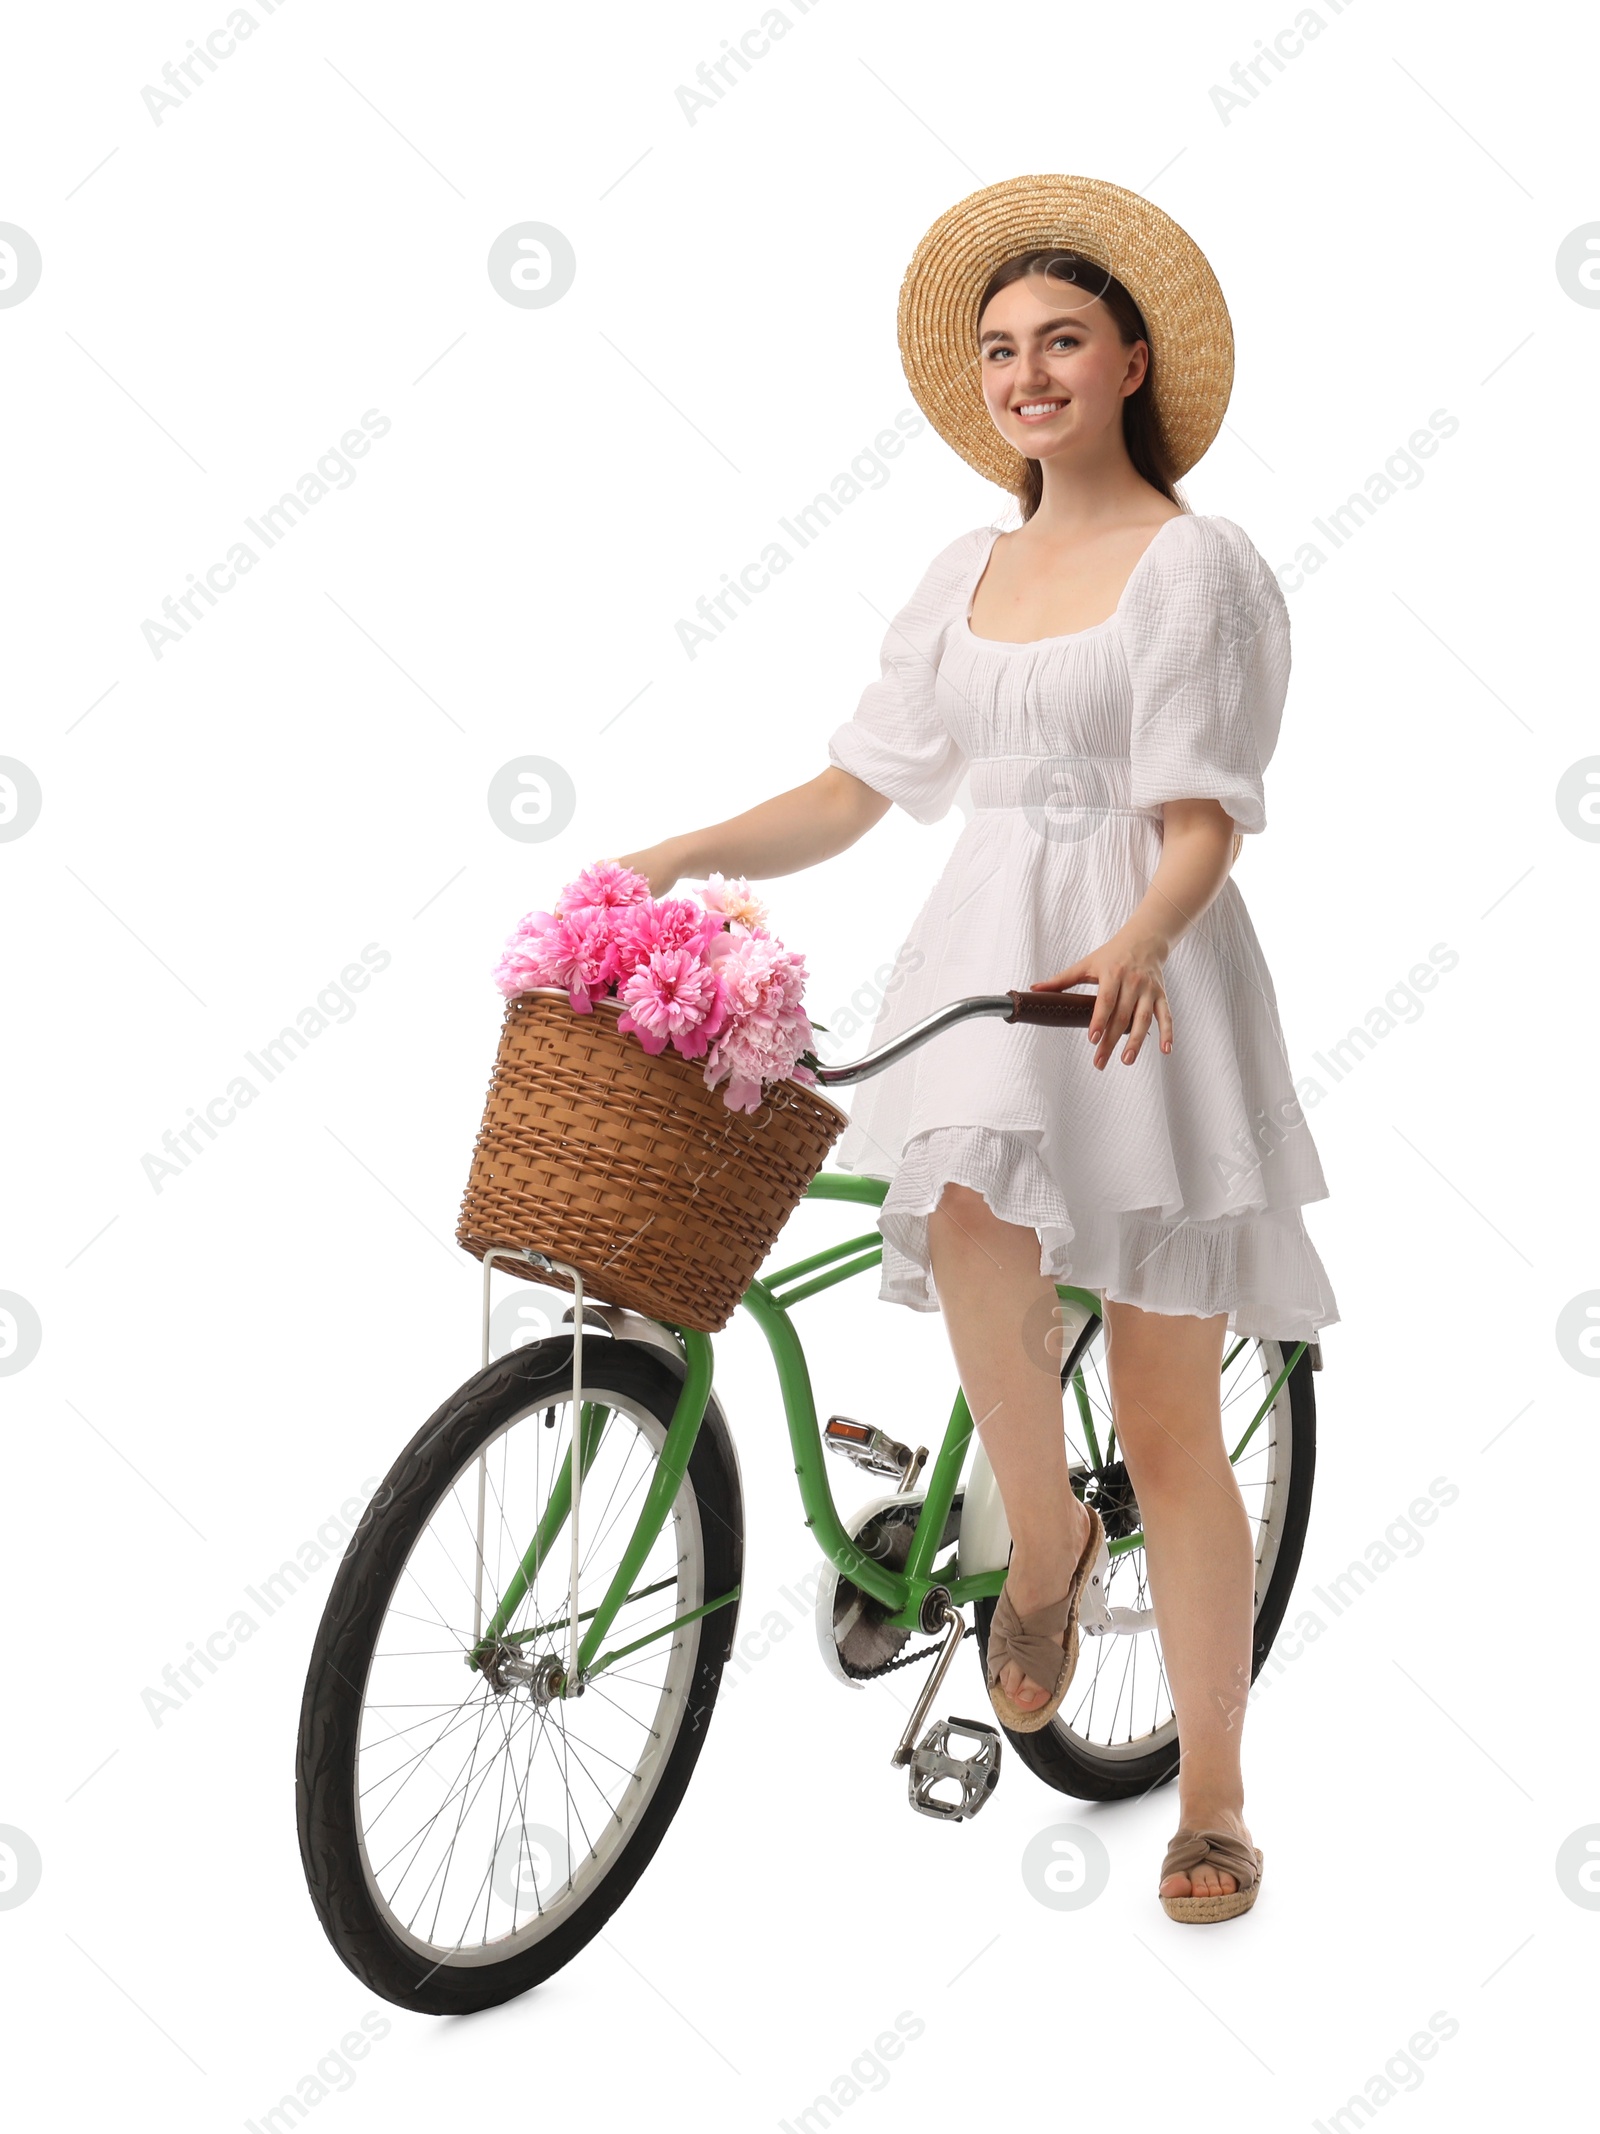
(1175,1184)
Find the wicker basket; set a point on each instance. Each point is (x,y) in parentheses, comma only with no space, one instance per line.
(624,1164)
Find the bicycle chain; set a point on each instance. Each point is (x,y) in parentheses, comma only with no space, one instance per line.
(909,1659)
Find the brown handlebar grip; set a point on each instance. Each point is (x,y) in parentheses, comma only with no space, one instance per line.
(1064,1009)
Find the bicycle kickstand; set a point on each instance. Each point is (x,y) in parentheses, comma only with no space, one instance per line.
(930,1760)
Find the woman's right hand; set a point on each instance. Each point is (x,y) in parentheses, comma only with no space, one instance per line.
(661,865)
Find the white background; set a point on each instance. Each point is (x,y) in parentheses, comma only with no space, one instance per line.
(224,1361)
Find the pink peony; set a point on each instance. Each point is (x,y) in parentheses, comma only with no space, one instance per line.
(731,896)
(606,886)
(576,951)
(643,930)
(767,1029)
(674,994)
(760,1051)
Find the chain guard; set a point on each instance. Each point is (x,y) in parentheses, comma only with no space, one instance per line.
(858,1643)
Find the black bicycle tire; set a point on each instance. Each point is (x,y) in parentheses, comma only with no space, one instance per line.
(1049,1754)
(360,1592)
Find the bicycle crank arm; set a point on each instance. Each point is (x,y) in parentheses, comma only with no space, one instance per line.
(938,1607)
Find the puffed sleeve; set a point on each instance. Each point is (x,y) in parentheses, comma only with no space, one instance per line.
(898,742)
(1206,635)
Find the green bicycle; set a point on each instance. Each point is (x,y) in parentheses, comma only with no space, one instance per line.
(522,1647)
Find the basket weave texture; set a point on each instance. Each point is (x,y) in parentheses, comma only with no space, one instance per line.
(624,1164)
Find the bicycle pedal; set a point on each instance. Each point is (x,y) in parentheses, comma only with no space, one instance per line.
(977,1775)
(864,1446)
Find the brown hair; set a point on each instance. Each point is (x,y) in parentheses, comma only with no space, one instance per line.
(1141,425)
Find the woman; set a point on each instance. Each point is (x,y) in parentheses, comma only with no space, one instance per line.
(1110,676)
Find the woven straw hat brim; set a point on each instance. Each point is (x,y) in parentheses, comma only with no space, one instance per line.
(1161,266)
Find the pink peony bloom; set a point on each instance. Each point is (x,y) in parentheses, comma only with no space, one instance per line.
(764,976)
(606,886)
(767,1029)
(576,951)
(761,1051)
(674,994)
(664,923)
(731,896)
(528,957)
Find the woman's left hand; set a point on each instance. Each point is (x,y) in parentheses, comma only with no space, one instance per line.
(1127,971)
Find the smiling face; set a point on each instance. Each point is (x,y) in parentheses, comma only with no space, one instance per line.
(1054,367)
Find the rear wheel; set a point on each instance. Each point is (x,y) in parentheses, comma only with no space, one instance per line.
(1115,1733)
(464,1833)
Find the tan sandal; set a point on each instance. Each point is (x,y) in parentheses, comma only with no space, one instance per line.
(1043,1643)
(1230,1856)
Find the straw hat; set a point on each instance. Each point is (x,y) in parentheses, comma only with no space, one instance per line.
(1160,265)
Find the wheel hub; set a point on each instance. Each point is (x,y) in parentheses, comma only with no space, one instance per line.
(1110,1492)
(506,1670)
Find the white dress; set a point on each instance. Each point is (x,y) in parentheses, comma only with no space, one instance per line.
(1175,1184)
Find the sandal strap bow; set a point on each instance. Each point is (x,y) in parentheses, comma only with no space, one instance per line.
(1217,1848)
(1032,1640)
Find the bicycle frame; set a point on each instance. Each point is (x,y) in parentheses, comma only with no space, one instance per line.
(769,1300)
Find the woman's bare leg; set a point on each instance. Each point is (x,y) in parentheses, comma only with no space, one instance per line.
(987,1276)
(1165,1373)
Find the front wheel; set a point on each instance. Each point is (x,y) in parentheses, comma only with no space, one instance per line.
(465,1833)
(1115,1734)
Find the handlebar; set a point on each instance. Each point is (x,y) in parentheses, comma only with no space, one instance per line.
(1017,1005)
